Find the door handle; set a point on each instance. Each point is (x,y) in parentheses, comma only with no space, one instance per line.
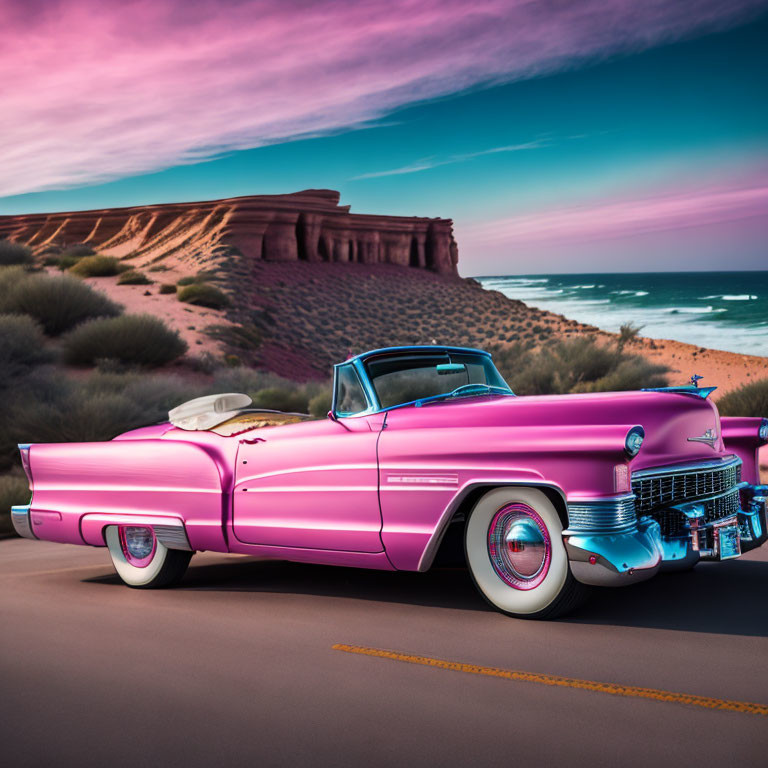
(252,440)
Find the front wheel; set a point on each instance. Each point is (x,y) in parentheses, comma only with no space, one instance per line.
(515,553)
(142,561)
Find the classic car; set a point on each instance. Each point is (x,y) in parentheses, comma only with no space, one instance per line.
(426,456)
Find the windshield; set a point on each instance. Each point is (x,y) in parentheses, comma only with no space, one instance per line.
(399,379)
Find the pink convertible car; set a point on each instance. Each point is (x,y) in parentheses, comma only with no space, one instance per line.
(426,455)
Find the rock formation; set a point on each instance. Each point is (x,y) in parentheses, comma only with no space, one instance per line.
(304,226)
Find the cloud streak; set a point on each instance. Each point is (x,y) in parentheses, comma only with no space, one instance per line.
(428,163)
(666,210)
(93,91)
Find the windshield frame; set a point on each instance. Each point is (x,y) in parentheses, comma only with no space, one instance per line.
(373,403)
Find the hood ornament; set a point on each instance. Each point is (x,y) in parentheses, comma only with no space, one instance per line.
(709,437)
(695,379)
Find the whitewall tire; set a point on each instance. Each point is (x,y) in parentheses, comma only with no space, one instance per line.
(515,553)
(142,561)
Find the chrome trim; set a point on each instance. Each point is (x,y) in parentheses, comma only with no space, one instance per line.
(616,559)
(710,437)
(699,466)
(21,521)
(615,514)
(173,536)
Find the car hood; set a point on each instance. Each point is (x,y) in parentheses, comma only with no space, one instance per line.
(671,421)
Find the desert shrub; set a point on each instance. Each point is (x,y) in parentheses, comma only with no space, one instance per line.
(575,365)
(14,253)
(203,295)
(133,277)
(14,489)
(246,336)
(187,280)
(131,339)
(79,250)
(281,399)
(57,303)
(156,267)
(320,404)
(76,418)
(97,266)
(748,400)
(247,380)
(21,346)
(167,288)
(631,373)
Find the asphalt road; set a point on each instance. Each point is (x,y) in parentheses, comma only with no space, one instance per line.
(236,667)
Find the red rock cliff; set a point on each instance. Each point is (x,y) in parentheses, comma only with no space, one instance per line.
(303,226)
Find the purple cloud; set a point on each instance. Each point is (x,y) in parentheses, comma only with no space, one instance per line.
(622,218)
(92,91)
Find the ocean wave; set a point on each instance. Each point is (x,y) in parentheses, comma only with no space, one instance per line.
(733,297)
(525,280)
(630,293)
(694,310)
(582,286)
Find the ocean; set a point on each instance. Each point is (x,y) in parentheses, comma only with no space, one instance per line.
(719,310)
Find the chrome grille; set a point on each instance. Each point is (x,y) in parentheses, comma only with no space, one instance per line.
(722,506)
(609,515)
(667,487)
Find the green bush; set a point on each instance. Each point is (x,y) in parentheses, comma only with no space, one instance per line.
(167,288)
(281,399)
(58,303)
(21,348)
(14,489)
(320,404)
(72,255)
(131,339)
(748,400)
(14,253)
(245,336)
(188,280)
(203,295)
(79,250)
(575,365)
(98,266)
(133,277)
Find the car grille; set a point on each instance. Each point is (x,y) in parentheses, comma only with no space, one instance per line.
(654,491)
(657,492)
(609,515)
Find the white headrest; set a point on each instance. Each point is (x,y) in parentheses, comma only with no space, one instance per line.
(206,412)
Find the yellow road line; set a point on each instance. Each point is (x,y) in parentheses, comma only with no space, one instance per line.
(614,689)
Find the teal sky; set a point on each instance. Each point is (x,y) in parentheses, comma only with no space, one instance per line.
(654,160)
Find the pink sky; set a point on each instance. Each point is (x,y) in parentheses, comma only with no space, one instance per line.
(93,90)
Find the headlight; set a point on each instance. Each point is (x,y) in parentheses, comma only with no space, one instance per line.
(762,433)
(634,441)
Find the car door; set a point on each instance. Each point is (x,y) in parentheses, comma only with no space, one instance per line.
(310,485)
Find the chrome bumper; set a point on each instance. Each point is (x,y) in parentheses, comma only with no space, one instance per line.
(21,521)
(606,559)
(606,550)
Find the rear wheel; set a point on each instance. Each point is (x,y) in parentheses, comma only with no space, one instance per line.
(142,561)
(515,553)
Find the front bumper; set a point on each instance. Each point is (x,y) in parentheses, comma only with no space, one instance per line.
(636,550)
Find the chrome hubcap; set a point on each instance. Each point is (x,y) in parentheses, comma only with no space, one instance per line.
(519,546)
